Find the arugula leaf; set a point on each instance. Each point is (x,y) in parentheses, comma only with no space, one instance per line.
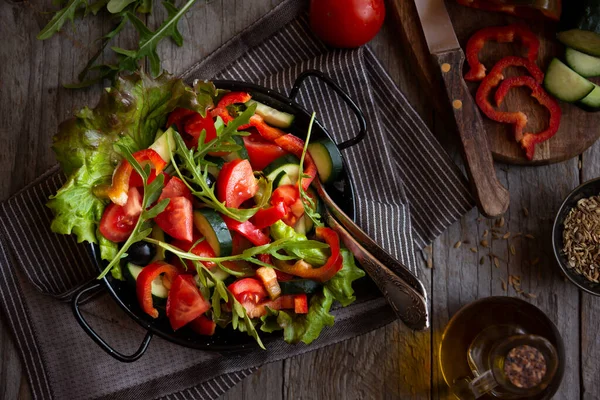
(59,19)
(310,204)
(129,114)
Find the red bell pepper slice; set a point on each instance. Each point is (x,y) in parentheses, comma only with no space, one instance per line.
(144,284)
(500,34)
(203,326)
(268,216)
(301,304)
(294,145)
(117,191)
(519,119)
(261,152)
(185,303)
(327,271)
(247,229)
(529,140)
(266,131)
(178,117)
(228,100)
(236,183)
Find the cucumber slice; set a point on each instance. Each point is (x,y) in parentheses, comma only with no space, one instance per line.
(163,144)
(328,159)
(299,286)
(159,133)
(592,100)
(287,164)
(158,234)
(271,115)
(585,41)
(304,225)
(211,225)
(159,291)
(565,84)
(585,65)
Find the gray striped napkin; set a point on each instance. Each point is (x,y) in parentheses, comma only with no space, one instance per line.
(397,165)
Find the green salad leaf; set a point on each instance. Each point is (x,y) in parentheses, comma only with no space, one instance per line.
(314,256)
(128,114)
(306,328)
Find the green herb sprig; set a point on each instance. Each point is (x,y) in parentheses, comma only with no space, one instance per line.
(124,11)
(310,204)
(194,162)
(143,227)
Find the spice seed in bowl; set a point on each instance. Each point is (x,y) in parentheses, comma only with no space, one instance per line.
(581,238)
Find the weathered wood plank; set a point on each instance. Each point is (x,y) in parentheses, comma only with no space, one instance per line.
(590,305)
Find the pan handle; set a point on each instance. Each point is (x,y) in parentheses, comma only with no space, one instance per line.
(96,338)
(362,123)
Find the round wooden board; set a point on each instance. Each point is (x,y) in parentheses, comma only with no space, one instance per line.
(578,129)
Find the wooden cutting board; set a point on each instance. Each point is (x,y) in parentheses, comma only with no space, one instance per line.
(578,129)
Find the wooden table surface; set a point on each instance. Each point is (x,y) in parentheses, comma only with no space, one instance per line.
(389,363)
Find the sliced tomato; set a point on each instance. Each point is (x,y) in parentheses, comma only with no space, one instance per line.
(177,219)
(175,187)
(201,249)
(203,326)
(178,117)
(268,216)
(194,126)
(236,183)
(185,302)
(290,196)
(248,230)
(248,288)
(261,152)
(117,222)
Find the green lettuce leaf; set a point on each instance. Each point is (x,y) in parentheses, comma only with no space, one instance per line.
(316,257)
(340,285)
(301,328)
(129,114)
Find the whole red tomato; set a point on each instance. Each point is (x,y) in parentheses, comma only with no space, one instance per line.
(346,23)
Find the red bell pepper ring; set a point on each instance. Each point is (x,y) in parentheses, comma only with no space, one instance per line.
(529,140)
(228,100)
(203,326)
(185,303)
(144,284)
(500,34)
(492,80)
(246,229)
(117,191)
(327,271)
(268,216)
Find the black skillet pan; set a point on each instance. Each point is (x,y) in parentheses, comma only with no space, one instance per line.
(224,340)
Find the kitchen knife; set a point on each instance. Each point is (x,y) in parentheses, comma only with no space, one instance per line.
(492,198)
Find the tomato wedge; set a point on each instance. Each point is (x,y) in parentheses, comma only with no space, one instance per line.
(268,216)
(177,219)
(236,183)
(185,302)
(194,126)
(178,117)
(117,222)
(248,230)
(289,195)
(175,187)
(203,326)
(261,152)
(248,288)
(144,284)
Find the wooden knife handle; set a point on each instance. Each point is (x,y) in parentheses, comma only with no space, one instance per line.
(492,198)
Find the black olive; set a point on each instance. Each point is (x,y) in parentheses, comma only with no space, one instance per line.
(140,253)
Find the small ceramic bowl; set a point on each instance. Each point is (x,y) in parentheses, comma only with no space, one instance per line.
(587,189)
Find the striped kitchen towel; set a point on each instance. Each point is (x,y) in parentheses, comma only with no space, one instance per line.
(407,191)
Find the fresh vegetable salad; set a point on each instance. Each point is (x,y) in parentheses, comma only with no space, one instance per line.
(202,202)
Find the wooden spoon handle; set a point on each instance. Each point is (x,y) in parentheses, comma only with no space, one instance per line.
(492,198)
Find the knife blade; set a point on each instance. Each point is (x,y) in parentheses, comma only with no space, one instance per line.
(491,197)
